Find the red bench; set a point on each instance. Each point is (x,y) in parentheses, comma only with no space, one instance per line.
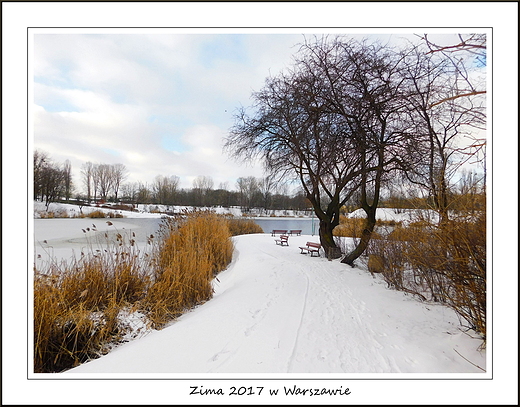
(284,240)
(311,248)
(277,231)
(295,232)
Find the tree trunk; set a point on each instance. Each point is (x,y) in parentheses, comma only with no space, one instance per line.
(365,238)
(332,251)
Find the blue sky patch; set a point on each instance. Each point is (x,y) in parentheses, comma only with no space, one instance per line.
(173,143)
(225,47)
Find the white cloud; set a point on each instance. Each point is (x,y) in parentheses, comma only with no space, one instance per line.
(117,98)
(158,103)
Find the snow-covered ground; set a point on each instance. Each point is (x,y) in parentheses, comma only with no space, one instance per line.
(398,215)
(278,311)
(150,210)
(280,319)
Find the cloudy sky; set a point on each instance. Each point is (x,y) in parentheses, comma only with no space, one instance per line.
(159,103)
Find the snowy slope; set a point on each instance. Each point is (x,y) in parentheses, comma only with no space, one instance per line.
(278,311)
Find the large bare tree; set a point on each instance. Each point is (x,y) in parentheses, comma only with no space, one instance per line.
(332,122)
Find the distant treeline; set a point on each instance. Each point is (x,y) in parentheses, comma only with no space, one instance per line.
(104,183)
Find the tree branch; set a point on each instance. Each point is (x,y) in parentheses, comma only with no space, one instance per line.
(457,96)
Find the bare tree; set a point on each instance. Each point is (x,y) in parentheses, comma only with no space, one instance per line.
(463,55)
(202,185)
(440,129)
(67,179)
(87,174)
(128,191)
(143,193)
(40,161)
(159,189)
(165,189)
(247,188)
(266,186)
(105,179)
(96,180)
(53,183)
(50,178)
(119,174)
(332,122)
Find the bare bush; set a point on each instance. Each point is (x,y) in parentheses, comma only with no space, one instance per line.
(444,263)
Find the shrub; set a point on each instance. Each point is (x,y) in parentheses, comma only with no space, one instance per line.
(352,227)
(96,214)
(446,263)
(349,227)
(239,226)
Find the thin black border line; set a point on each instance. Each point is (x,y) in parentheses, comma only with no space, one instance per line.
(251,378)
(240,28)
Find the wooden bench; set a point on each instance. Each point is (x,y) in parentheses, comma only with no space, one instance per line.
(284,240)
(278,232)
(295,232)
(311,248)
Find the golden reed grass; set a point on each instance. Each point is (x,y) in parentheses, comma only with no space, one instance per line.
(77,304)
(353,227)
(442,262)
(194,251)
(240,226)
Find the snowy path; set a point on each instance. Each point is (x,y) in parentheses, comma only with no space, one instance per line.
(278,311)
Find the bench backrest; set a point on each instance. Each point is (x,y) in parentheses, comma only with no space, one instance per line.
(284,237)
(312,244)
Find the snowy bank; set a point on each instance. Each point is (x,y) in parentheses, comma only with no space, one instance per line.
(151,210)
(278,311)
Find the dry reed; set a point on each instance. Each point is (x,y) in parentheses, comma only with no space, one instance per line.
(196,248)
(238,226)
(444,263)
(78,304)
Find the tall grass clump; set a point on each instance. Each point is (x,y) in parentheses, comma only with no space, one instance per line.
(97,214)
(349,227)
(193,250)
(80,305)
(239,226)
(77,304)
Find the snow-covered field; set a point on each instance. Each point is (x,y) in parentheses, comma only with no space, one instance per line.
(280,319)
(278,311)
(149,210)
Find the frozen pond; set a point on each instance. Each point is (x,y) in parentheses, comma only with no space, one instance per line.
(63,239)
